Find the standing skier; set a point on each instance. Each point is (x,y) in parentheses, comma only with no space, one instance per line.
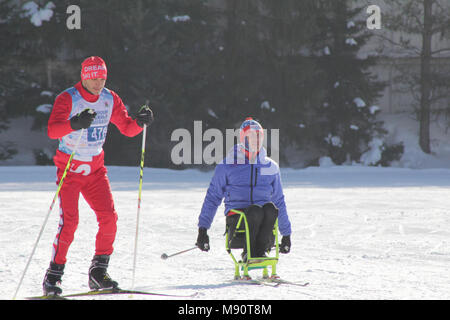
(90,106)
(250,182)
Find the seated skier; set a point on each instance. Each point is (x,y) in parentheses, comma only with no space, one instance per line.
(250,182)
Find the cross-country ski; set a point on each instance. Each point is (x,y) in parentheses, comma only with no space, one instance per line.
(109,292)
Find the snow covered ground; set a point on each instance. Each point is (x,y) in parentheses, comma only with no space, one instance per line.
(358,233)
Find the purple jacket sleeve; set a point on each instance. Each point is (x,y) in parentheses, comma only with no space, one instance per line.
(284,225)
(213,198)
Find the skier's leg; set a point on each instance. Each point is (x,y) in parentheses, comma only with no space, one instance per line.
(265,234)
(68,223)
(97,194)
(235,239)
(231,224)
(254,215)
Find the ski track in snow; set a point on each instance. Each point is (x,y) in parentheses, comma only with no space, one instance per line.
(358,233)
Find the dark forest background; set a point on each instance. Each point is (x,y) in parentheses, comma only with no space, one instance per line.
(288,64)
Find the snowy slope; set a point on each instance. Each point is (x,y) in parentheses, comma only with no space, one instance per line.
(359,233)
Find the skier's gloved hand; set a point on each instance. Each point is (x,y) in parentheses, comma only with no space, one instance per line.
(83,120)
(144,116)
(202,240)
(285,245)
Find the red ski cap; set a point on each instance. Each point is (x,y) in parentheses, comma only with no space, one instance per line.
(93,68)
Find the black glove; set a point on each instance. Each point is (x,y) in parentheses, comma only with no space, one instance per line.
(202,240)
(83,120)
(285,245)
(144,116)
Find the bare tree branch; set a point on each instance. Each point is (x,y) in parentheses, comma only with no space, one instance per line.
(440,50)
(402,45)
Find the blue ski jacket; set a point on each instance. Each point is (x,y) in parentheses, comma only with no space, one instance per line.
(243,183)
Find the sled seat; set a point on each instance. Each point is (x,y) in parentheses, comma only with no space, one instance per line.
(241,239)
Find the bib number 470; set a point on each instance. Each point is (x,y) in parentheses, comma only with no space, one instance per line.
(97,133)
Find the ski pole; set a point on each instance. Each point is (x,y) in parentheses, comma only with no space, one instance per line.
(144,133)
(164,256)
(49,211)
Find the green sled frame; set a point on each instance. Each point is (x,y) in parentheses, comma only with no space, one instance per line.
(252,262)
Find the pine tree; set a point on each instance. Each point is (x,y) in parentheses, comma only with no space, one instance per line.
(263,71)
(240,68)
(157,52)
(348,122)
(14,81)
(290,88)
(35,33)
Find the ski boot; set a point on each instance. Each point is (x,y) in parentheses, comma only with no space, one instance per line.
(99,279)
(52,280)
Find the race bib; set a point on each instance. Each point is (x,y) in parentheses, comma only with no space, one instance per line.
(96,133)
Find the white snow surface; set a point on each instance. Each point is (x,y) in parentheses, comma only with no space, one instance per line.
(358,233)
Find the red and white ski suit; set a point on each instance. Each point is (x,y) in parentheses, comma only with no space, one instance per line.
(87,174)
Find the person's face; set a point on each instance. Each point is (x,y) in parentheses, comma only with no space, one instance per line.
(254,140)
(95,86)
